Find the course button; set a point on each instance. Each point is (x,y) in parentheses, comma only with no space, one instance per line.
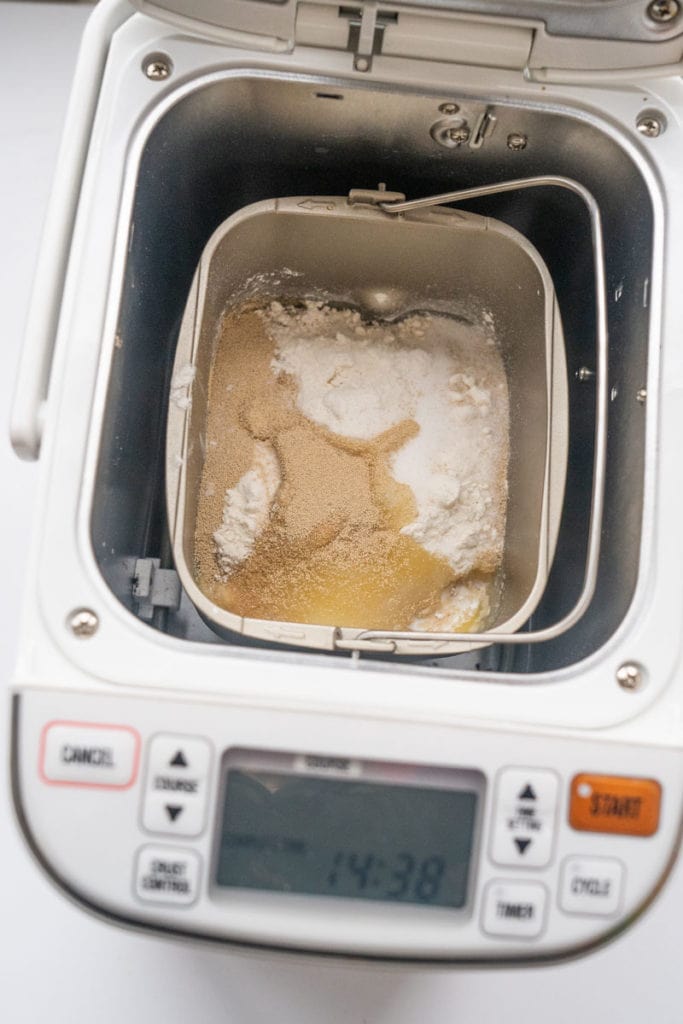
(614,803)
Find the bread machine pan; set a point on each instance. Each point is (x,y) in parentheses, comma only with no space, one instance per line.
(441,260)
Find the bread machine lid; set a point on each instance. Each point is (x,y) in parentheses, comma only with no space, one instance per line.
(544,39)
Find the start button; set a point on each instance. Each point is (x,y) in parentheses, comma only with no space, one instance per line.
(614,803)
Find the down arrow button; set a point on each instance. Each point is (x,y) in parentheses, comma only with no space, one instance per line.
(177,785)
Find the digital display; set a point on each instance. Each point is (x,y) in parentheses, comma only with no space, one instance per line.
(346,838)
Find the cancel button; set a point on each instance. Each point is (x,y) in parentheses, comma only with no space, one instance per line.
(89,754)
(591,885)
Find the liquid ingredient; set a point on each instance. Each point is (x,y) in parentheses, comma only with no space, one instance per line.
(308,498)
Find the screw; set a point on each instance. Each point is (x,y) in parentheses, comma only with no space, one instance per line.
(362,63)
(449,108)
(641,395)
(458,135)
(630,676)
(663,11)
(157,68)
(517,142)
(650,125)
(83,622)
(583,373)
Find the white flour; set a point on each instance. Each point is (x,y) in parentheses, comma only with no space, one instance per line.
(181,386)
(246,507)
(467,603)
(359,379)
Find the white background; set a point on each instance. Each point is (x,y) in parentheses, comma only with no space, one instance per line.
(56,964)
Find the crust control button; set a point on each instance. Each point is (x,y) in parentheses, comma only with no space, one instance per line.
(164,874)
(614,803)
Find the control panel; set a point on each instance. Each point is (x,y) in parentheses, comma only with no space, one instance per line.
(209,822)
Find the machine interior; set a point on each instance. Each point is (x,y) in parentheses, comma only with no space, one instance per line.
(247,137)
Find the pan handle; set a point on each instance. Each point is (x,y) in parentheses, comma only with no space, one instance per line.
(600,452)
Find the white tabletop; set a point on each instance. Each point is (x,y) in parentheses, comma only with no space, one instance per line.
(60,966)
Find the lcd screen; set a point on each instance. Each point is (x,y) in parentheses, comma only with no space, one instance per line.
(346,838)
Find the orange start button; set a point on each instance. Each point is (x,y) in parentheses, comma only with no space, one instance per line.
(613,803)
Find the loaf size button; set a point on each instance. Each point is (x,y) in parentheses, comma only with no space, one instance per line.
(167,875)
(176,786)
(524,814)
(591,885)
(89,754)
(514,910)
(614,803)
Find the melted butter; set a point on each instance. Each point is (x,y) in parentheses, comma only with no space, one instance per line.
(379,592)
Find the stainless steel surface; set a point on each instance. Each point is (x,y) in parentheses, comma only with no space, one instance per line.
(240,137)
(83,622)
(359,255)
(663,11)
(630,676)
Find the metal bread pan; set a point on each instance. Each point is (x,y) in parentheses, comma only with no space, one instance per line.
(440,260)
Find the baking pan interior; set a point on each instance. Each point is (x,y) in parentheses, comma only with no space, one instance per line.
(451,262)
(248,137)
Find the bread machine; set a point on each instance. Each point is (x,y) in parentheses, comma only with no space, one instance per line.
(518,801)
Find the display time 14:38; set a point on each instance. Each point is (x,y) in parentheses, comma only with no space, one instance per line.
(404,877)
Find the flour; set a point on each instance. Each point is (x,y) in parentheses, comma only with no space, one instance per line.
(358,379)
(246,508)
(465,607)
(181,386)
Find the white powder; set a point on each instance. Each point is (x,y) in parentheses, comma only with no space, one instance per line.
(246,507)
(359,379)
(465,604)
(181,386)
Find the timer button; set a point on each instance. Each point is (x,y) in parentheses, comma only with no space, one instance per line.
(176,788)
(514,910)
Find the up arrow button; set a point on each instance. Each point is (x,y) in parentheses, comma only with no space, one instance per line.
(176,785)
(524,817)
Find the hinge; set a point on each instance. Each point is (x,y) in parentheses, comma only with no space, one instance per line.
(366,32)
(154,587)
